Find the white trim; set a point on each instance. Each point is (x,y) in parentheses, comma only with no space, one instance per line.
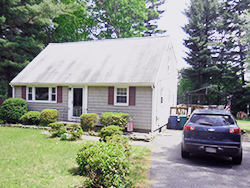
(13,92)
(34,93)
(115,96)
(153,119)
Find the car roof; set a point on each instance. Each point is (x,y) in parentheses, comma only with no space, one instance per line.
(212,111)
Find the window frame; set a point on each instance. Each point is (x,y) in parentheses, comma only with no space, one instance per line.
(33,94)
(115,96)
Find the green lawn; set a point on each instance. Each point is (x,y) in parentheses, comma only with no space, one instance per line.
(244,124)
(31,159)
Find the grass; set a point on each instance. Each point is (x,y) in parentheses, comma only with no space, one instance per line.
(244,124)
(31,159)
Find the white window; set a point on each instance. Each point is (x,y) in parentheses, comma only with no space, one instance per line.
(42,94)
(121,96)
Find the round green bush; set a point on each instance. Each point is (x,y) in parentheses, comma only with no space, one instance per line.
(57,129)
(49,116)
(12,110)
(88,121)
(74,131)
(31,118)
(106,164)
(115,118)
(108,131)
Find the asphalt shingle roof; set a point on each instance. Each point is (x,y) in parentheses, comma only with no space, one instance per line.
(110,61)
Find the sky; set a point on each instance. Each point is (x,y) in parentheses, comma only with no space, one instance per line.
(172,20)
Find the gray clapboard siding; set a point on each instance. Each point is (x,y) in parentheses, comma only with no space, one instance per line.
(39,106)
(98,103)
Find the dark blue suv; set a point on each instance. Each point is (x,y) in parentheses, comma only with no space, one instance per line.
(212,132)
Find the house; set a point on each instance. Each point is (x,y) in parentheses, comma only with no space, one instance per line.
(134,75)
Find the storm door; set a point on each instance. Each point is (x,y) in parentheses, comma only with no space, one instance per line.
(77,102)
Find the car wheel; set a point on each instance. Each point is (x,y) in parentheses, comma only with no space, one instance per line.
(238,159)
(184,154)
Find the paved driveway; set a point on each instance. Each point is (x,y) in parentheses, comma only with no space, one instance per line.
(168,169)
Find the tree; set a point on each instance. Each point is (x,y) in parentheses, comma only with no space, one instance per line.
(22,37)
(202,15)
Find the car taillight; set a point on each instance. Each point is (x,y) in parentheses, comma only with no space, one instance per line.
(235,130)
(189,128)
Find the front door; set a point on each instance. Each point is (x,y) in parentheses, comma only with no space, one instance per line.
(76,103)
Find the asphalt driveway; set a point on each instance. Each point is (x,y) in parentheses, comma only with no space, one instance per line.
(168,169)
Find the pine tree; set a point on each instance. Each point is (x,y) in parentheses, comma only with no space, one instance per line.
(202,17)
(22,37)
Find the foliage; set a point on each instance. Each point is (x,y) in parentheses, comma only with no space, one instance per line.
(216,53)
(74,131)
(106,164)
(49,116)
(22,35)
(12,110)
(115,118)
(117,138)
(109,131)
(31,118)
(88,121)
(57,129)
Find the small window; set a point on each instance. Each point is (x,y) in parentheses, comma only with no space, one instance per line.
(162,97)
(121,96)
(30,96)
(53,94)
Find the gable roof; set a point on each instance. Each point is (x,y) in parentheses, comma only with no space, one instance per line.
(110,61)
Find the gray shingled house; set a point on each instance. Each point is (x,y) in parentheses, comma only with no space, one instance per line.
(135,75)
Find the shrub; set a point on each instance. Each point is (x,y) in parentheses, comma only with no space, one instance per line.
(115,118)
(57,129)
(108,131)
(12,110)
(122,140)
(88,121)
(106,164)
(49,116)
(31,118)
(74,131)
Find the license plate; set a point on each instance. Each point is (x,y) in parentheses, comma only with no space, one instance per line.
(210,150)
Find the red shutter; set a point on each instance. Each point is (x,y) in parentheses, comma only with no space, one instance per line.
(132,95)
(111,95)
(24,92)
(59,94)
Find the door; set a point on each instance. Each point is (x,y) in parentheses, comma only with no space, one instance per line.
(77,104)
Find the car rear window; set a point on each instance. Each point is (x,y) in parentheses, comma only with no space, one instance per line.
(211,119)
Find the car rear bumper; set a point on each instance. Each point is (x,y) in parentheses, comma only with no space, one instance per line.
(225,150)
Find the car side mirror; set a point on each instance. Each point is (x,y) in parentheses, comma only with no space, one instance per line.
(243,131)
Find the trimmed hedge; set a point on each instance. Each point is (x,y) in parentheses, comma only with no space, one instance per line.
(49,116)
(31,118)
(109,131)
(12,110)
(115,118)
(88,121)
(106,164)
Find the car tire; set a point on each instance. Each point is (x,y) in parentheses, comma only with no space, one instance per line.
(238,159)
(184,154)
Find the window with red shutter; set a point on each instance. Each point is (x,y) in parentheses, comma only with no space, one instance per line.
(111,95)
(24,92)
(59,94)
(132,91)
